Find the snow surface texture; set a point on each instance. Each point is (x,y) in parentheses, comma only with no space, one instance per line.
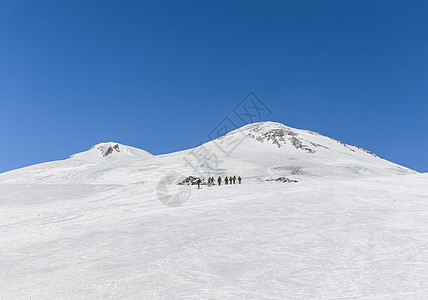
(92,226)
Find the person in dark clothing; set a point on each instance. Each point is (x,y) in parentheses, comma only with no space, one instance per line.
(226,180)
(234,179)
(219,180)
(239,179)
(230,179)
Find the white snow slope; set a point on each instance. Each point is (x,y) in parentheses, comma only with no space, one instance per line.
(92,226)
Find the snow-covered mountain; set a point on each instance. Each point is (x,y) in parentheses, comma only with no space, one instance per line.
(270,148)
(95,225)
(259,150)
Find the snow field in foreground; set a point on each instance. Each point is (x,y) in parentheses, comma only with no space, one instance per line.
(317,238)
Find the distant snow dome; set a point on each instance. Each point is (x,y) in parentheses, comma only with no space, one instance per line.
(111,150)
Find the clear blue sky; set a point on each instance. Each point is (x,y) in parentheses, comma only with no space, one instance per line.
(160,75)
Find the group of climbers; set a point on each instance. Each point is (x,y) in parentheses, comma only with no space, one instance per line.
(227,180)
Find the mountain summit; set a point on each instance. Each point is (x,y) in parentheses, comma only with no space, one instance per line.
(282,136)
(111,149)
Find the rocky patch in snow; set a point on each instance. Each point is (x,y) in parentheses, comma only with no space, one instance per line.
(282,179)
(278,136)
(106,150)
(192,180)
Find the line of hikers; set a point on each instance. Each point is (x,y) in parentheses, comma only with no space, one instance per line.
(227,180)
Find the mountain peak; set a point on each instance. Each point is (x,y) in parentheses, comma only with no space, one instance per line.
(111,150)
(283,136)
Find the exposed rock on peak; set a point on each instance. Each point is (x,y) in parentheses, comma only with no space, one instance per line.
(282,135)
(277,134)
(106,148)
